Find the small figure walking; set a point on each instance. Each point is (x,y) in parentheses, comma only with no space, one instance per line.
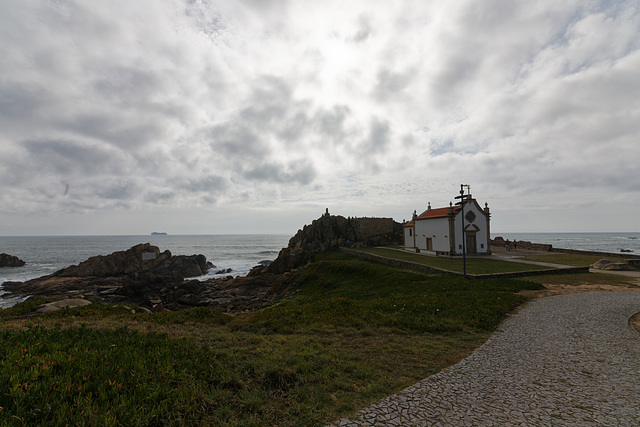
(508,245)
(515,244)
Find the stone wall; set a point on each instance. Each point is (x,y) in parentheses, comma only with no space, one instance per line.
(369,227)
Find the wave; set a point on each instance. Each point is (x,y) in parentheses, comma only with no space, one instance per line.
(268,252)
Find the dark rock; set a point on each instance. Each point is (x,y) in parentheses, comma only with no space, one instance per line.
(189,301)
(108,290)
(7,260)
(223,271)
(131,273)
(142,261)
(10,283)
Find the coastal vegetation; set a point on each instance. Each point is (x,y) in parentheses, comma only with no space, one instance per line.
(353,333)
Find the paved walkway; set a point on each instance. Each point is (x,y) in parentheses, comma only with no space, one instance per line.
(566,360)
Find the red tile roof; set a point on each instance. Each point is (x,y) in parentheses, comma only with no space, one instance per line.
(409,224)
(437,213)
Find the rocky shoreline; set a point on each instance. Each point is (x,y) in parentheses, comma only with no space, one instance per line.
(152,279)
(158,281)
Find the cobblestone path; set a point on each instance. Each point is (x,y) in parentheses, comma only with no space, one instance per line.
(566,360)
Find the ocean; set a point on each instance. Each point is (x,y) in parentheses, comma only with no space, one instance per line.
(599,242)
(46,255)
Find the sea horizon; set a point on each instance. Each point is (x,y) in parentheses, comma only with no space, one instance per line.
(148,234)
(493,233)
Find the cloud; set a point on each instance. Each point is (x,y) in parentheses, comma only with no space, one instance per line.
(173,104)
(391,84)
(295,172)
(72,158)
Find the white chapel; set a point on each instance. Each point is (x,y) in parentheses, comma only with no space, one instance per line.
(440,231)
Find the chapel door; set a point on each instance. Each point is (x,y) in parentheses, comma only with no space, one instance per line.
(429,244)
(471,243)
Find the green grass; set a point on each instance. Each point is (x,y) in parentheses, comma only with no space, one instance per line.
(576,260)
(475,265)
(354,333)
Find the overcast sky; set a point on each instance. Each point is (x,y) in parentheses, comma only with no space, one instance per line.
(254,116)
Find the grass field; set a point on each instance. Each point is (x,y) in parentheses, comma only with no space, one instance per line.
(475,265)
(354,333)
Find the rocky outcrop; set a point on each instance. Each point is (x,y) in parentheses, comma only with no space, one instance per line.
(330,232)
(140,265)
(155,280)
(608,264)
(141,262)
(7,260)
